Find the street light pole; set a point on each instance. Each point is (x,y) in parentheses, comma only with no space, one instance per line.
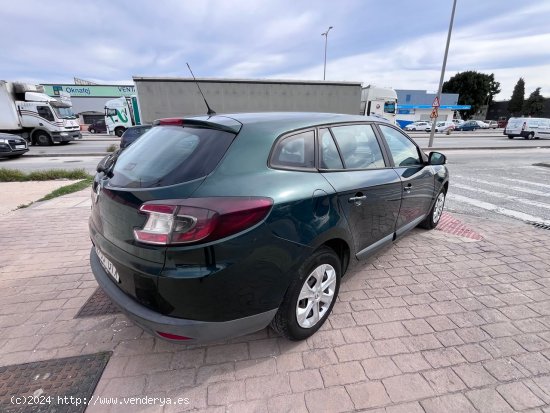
(430,143)
(326,41)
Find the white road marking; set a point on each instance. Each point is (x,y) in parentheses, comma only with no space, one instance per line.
(499,210)
(501,195)
(521,181)
(501,185)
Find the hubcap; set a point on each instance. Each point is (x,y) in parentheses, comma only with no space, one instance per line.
(438,208)
(316,295)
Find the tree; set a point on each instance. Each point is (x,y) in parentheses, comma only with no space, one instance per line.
(474,89)
(534,105)
(515,105)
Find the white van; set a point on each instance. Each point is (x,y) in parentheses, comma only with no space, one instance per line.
(442,126)
(528,128)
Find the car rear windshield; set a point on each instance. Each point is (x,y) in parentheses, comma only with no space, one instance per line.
(169,155)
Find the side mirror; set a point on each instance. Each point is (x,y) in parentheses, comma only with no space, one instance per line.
(436,158)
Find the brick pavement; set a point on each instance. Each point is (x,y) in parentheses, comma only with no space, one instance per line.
(433,323)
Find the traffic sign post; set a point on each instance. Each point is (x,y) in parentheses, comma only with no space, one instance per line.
(436,102)
(435,113)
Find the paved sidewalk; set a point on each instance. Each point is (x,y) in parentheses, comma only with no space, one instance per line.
(437,322)
(15,194)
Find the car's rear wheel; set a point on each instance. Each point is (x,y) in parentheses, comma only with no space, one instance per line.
(530,136)
(92,130)
(510,137)
(433,218)
(310,297)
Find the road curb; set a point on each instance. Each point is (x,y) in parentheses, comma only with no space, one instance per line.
(64,155)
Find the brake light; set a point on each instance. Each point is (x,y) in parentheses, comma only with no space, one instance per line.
(168,122)
(199,219)
(171,336)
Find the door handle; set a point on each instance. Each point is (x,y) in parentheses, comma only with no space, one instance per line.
(357,199)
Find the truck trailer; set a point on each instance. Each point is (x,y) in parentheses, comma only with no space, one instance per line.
(162,97)
(25,110)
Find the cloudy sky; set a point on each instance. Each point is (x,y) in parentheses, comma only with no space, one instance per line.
(398,44)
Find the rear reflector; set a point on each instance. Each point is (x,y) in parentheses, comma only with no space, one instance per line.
(199,219)
(171,336)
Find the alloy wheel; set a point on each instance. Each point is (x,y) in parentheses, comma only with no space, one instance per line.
(438,207)
(316,296)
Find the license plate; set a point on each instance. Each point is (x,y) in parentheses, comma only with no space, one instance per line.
(108,265)
(19,146)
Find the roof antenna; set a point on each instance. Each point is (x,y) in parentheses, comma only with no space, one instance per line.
(210,111)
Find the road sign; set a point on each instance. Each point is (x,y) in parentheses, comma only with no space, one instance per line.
(434,114)
(436,102)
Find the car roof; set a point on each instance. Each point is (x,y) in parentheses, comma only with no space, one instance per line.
(279,122)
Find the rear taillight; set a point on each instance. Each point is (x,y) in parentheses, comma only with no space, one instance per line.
(199,219)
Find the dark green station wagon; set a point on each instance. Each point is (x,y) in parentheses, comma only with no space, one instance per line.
(212,227)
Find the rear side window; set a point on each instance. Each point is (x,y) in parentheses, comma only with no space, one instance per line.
(296,151)
(403,151)
(330,158)
(169,155)
(359,147)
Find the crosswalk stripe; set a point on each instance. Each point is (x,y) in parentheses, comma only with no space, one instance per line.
(521,181)
(499,210)
(502,196)
(501,185)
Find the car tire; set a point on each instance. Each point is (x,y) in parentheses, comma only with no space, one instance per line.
(43,139)
(530,136)
(119,132)
(322,268)
(510,137)
(433,218)
(92,130)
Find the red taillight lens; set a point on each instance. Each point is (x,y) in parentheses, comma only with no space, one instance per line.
(200,219)
(171,336)
(169,122)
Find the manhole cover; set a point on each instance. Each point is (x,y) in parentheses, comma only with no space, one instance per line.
(59,385)
(98,304)
(451,225)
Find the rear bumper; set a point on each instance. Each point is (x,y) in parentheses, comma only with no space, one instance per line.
(153,322)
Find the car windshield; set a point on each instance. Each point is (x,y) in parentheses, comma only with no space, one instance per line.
(168,155)
(64,113)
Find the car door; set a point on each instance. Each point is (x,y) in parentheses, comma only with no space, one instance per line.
(368,189)
(417,177)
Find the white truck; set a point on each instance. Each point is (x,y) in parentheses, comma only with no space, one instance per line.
(120,114)
(42,120)
(380,102)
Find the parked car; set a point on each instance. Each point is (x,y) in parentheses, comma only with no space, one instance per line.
(493,124)
(502,121)
(133,133)
(442,126)
(482,124)
(528,128)
(12,146)
(97,127)
(457,122)
(469,125)
(240,221)
(418,126)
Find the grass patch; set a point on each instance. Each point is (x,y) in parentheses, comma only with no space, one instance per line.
(15,175)
(112,147)
(69,189)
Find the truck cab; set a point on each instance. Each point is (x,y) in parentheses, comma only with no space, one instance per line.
(120,114)
(27,111)
(380,102)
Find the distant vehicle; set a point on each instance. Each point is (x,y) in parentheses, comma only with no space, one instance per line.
(132,134)
(419,125)
(98,127)
(442,126)
(502,121)
(458,121)
(469,125)
(379,101)
(528,128)
(26,111)
(120,114)
(12,146)
(493,124)
(482,124)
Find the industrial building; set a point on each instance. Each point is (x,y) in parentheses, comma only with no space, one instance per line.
(414,105)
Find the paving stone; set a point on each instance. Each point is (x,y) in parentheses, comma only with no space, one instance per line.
(289,362)
(501,330)
(389,347)
(441,323)
(368,395)
(422,342)
(319,358)
(228,352)
(410,363)
(488,401)
(443,357)
(287,403)
(405,408)
(519,396)
(301,381)
(356,334)
(255,368)
(265,387)
(536,363)
(379,368)
(387,330)
(473,352)
(504,369)
(474,375)
(357,351)
(226,393)
(418,326)
(502,347)
(334,399)
(343,373)
(448,403)
(448,338)
(407,387)
(444,380)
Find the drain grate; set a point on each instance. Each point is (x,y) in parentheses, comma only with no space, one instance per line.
(451,225)
(47,386)
(98,304)
(540,225)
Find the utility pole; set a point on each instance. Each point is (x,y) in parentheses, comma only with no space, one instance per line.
(432,132)
(326,41)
